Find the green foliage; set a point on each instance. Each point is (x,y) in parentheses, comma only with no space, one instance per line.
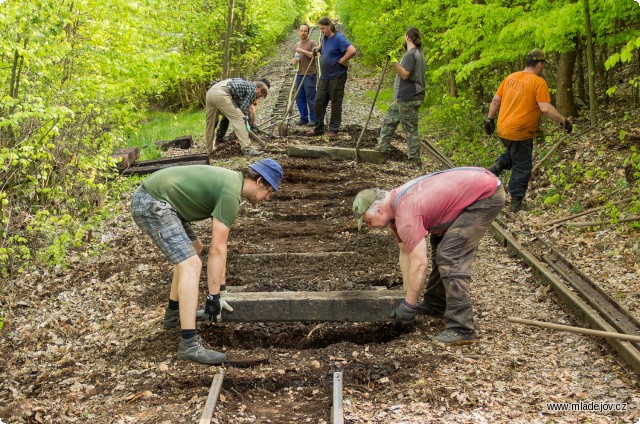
(624,56)
(480,42)
(457,125)
(576,208)
(633,161)
(76,81)
(551,198)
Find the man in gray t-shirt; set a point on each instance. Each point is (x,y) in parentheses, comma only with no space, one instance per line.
(408,96)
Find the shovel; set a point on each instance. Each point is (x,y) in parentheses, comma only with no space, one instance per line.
(283,127)
(364,128)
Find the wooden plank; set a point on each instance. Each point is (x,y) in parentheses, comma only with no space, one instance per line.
(126,157)
(342,306)
(295,254)
(173,159)
(184,142)
(153,165)
(335,153)
(144,170)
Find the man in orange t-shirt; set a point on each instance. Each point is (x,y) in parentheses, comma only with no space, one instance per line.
(521,98)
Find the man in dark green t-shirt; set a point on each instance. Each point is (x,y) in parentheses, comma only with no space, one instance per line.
(164,205)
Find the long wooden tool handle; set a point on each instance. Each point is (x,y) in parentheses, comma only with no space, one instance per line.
(364,128)
(579,330)
(214,393)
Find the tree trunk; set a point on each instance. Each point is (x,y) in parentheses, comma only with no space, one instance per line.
(451,84)
(226,50)
(593,101)
(564,100)
(582,92)
(239,46)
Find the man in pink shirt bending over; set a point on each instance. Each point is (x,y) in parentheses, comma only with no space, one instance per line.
(455,207)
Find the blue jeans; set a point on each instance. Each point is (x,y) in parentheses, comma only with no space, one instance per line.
(306,98)
(517,157)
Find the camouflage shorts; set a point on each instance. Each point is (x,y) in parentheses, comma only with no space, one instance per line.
(160,221)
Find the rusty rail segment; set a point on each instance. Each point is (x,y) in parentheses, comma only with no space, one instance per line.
(573,301)
(608,308)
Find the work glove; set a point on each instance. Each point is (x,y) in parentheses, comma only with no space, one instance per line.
(392,57)
(214,306)
(314,51)
(248,127)
(404,313)
(490,125)
(568,126)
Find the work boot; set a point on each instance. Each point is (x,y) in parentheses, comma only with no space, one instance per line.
(195,349)
(424,308)
(172,318)
(252,152)
(452,337)
(496,169)
(517,204)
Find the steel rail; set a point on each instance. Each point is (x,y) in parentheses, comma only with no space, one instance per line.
(627,350)
(608,308)
(337,412)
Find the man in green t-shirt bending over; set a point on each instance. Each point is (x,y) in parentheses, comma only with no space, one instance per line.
(164,205)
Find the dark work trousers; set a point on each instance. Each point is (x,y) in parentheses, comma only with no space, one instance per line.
(517,157)
(306,99)
(448,285)
(330,90)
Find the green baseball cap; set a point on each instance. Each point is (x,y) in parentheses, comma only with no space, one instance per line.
(362,203)
(537,55)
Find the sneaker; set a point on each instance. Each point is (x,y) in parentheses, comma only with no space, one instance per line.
(332,134)
(195,349)
(252,152)
(313,133)
(311,124)
(451,337)
(302,123)
(172,318)
(424,308)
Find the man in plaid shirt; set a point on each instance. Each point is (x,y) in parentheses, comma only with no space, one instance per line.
(232,98)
